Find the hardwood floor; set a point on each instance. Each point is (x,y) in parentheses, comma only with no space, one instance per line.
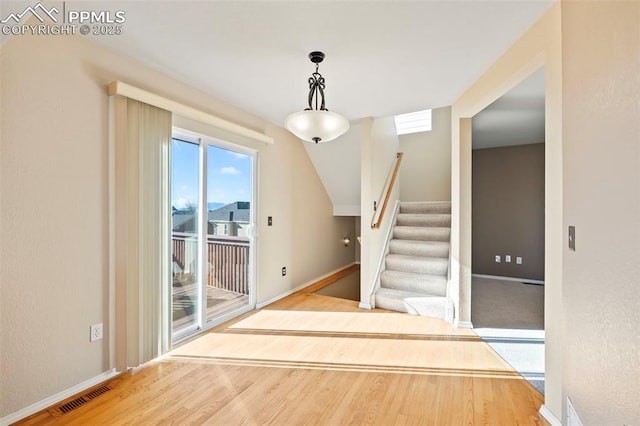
(313,359)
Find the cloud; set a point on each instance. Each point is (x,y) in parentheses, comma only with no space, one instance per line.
(237,154)
(184,202)
(229,171)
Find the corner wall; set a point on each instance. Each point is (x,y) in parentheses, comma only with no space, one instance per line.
(379,148)
(601,139)
(54,217)
(540,46)
(425,173)
(337,163)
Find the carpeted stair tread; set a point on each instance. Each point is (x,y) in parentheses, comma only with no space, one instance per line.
(431,219)
(415,303)
(417,264)
(435,285)
(425,207)
(421,233)
(415,275)
(419,248)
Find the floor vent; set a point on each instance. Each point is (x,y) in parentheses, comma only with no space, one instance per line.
(80,401)
(72,405)
(97,392)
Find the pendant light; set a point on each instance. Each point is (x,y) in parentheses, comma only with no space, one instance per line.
(316,123)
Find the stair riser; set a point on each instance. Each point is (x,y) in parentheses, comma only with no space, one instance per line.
(415,278)
(417,249)
(439,308)
(417,267)
(425,208)
(425,220)
(429,287)
(421,234)
(392,305)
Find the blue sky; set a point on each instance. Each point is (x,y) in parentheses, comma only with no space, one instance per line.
(228,175)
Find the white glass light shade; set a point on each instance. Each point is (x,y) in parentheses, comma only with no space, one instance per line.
(316,125)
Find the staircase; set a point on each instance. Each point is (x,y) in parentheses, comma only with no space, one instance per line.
(415,276)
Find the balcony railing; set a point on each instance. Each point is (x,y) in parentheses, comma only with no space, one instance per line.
(227,260)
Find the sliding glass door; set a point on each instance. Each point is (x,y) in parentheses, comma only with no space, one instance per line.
(185,236)
(212,202)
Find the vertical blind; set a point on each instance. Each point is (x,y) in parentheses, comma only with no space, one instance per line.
(142,138)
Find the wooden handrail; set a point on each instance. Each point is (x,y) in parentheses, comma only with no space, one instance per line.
(378,213)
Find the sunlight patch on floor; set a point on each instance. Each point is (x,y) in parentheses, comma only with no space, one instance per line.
(522,349)
(354,322)
(352,341)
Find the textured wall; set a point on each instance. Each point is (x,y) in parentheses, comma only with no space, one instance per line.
(425,174)
(54,250)
(338,165)
(379,149)
(601,137)
(508,211)
(540,46)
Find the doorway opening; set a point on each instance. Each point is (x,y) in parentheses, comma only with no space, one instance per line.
(508,226)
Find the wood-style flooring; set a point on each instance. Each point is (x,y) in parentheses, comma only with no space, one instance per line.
(311,359)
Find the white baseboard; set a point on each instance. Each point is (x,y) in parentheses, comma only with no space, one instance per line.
(363,305)
(54,399)
(572,416)
(548,416)
(465,324)
(300,287)
(519,280)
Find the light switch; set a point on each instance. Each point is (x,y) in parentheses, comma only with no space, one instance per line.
(497,258)
(572,238)
(507,258)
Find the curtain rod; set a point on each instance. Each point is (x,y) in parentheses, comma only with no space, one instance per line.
(124,89)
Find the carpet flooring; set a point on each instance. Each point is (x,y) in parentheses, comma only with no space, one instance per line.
(506,304)
(509,317)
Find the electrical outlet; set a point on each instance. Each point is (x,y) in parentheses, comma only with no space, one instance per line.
(507,258)
(95,332)
(497,258)
(269,221)
(284,271)
(519,260)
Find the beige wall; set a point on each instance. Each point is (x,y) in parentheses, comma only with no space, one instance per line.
(539,46)
(54,176)
(508,211)
(601,140)
(590,51)
(425,174)
(379,149)
(338,165)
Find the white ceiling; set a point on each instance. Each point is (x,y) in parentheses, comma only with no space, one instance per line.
(382,58)
(516,118)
